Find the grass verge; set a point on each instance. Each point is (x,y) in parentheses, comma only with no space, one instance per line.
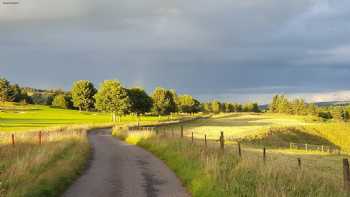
(209,172)
(29,169)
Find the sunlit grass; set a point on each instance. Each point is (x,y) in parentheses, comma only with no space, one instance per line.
(206,172)
(241,125)
(17,117)
(30,169)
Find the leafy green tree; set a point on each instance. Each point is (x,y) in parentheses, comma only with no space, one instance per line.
(238,107)
(325,115)
(222,107)
(345,116)
(206,107)
(6,94)
(229,107)
(141,102)
(62,101)
(163,101)
(41,99)
(312,109)
(113,97)
(215,106)
(273,106)
(83,92)
(175,98)
(187,104)
(251,107)
(16,92)
(337,113)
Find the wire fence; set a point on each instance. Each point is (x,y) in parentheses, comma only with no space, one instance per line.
(220,143)
(39,137)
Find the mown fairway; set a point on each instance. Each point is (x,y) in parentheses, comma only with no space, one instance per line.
(16,117)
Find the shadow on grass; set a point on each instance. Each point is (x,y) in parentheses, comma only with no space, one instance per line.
(282,137)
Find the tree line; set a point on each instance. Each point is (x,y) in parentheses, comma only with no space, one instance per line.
(112,96)
(225,107)
(281,104)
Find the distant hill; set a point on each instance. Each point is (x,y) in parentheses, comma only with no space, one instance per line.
(332,103)
(320,104)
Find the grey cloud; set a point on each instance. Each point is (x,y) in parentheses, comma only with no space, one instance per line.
(208,48)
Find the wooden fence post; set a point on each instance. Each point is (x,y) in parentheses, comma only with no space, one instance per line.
(192,138)
(346,174)
(182,131)
(239,149)
(264,155)
(13,139)
(299,163)
(40,137)
(222,141)
(205,141)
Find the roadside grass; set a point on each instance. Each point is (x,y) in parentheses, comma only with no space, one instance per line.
(20,117)
(208,172)
(32,170)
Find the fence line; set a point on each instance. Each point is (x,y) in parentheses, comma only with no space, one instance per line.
(313,147)
(221,140)
(39,137)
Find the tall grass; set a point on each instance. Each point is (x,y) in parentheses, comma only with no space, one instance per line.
(209,172)
(29,169)
(336,132)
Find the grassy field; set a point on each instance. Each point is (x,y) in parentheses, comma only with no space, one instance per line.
(208,172)
(16,117)
(32,170)
(29,169)
(242,125)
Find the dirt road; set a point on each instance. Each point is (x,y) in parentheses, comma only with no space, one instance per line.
(121,170)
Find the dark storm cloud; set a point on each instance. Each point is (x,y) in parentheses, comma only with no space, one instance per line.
(229,49)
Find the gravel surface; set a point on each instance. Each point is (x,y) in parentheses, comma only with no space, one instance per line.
(121,170)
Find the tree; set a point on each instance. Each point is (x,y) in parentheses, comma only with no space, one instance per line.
(163,101)
(337,113)
(62,101)
(16,92)
(140,101)
(113,97)
(187,104)
(175,98)
(206,107)
(312,109)
(273,105)
(229,107)
(215,106)
(238,107)
(6,94)
(251,107)
(41,99)
(83,92)
(325,115)
(346,116)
